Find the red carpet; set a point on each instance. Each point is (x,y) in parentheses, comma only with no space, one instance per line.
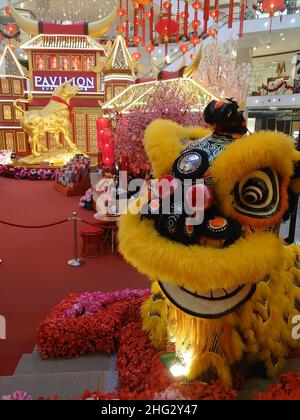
(34,275)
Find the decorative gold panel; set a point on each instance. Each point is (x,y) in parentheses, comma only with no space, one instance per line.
(18,114)
(5,86)
(93,138)
(17,87)
(7,112)
(2,145)
(21,142)
(81,132)
(9,141)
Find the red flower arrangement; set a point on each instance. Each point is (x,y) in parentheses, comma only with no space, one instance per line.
(61,336)
(288,389)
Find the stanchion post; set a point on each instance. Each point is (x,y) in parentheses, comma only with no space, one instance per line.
(76,262)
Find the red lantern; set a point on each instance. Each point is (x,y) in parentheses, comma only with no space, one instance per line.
(167,5)
(150,48)
(102,124)
(273,6)
(196,5)
(196,23)
(136,56)
(108,150)
(212,32)
(121,12)
(195,41)
(11,27)
(166,28)
(214,13)
(149,14)
(184,48)
(137,39)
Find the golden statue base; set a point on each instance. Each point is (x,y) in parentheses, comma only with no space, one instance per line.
(54,157)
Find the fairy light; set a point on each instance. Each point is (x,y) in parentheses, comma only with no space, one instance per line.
(73,10)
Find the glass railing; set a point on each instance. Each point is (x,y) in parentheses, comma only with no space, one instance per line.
(274,78)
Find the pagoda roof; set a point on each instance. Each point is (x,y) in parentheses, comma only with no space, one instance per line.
(139,94)
(62,42)
(10,65)
(119,59)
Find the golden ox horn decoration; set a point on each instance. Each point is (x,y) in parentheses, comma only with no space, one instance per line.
(190,70)
(95,29)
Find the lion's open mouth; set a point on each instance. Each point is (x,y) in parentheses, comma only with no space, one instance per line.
(210,305)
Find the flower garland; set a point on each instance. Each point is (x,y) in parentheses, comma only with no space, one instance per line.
(19,172)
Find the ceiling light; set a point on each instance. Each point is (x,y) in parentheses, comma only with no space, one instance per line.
(281,34)
(283,39)
(268,46)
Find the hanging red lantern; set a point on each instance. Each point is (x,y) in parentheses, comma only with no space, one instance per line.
(192,57)
(102,124)
(196,5)
(214,14)
(273,6)
(149,14)
(164,27)
(196,23)
(195,41)
(141,2)
(136,55)
(212,32)
(150,48)
(11,27)
(137,39)
(167,5)
(121,12)
(184,48)
(7,11)
(108,150)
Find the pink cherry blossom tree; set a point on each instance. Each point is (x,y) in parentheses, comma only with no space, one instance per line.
(220,72)
(167,102)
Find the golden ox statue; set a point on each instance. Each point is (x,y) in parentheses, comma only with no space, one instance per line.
(54,118)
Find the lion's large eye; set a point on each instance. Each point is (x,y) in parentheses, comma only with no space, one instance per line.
(257,195)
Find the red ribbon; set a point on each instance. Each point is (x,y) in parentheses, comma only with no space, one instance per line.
(230,18)
(206,14)
(242,18)
(69,106)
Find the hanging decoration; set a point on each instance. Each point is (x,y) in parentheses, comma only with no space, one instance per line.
(271,7)
(186,19)
(196,22)
(206,15)
(242,18)
(102,124)
(108,150)
(230,15)
(127,23)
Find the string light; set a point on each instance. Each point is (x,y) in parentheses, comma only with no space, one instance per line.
(73,10)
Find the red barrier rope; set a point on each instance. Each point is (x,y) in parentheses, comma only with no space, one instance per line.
(34,227)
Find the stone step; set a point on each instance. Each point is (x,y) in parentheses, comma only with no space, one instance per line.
(32,364)
(64,385)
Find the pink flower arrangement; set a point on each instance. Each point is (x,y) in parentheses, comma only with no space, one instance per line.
(90,303)
(87,200)
(17,396)
(18,172)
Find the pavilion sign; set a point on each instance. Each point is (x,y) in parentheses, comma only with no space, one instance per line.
(49,82)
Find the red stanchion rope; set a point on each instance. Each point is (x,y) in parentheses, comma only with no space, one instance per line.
(34,227)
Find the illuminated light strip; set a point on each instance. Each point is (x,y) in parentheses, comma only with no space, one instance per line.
(13,100)
(93,44)
(7,48)
(10,128)
(136,100)
(49,92)
(202,88)
(117,77)
(5,76)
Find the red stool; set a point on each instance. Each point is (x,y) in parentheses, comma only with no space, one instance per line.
(92,242)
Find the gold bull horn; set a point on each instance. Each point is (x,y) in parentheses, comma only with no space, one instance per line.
(95,29)
(190,70)
(28,25)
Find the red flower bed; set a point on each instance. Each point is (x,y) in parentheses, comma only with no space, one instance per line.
(61,336)
(288,388)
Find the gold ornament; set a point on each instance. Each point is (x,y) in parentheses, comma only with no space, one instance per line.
(54,118)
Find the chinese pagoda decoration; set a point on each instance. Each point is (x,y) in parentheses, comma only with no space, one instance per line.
(13,86)
(119,68)
(61,52)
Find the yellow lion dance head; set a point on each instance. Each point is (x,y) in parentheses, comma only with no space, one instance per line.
(224,290)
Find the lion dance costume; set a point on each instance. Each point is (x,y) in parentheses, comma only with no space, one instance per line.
(224,291)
